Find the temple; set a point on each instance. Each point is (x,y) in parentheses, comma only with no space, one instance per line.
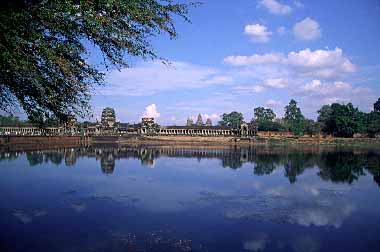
(110,126)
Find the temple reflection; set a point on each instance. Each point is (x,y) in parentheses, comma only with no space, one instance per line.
(335,165)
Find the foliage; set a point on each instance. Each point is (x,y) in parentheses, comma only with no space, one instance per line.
(270,126)
(265,119)
(341,120)
(376,106)
(296,163)
(12,121)
(44,48)
(294,118)
(264,114)
(325,119)
(341,167)
(373,123)
(311,128)
(373,166)
(233,119)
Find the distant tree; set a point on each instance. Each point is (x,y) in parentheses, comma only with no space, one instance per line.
(311,128)
(233,119)
(325,119)
(44,52)
(265,119)
(12,121)
(8,119)
(376,106)
(264,114)
(373,123)
(294,118)
(341,120)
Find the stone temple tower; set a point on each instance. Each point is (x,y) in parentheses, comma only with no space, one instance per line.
(208,122)
(189,122)
(199,120)
(108,119)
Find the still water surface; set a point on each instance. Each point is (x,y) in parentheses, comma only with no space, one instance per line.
(174,199)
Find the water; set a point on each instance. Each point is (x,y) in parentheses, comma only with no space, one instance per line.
(164,199)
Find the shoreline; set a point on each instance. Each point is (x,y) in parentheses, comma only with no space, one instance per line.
(198,141)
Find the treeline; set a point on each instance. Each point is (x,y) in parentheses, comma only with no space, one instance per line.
(15,121)
(339,120)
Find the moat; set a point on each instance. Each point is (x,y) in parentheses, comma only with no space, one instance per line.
(186,198)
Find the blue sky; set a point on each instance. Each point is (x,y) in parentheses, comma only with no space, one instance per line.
(237,55)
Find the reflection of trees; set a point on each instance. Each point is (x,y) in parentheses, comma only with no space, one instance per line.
(35,158)
(54,157)
(373,166)
(341,166)
(336,166)
(8,156)
(266,163)
(232,159)
(296,163)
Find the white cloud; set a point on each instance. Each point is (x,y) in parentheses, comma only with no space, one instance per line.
(319,63)
(218,79)
(258,88)
(314,85)
(342,85)
(213,117)
(273,103)
(148,78)
(328,89)
(320,58)
(249,89)
(276,83)
(275,7)
(319,216)
(316,93)
(298,4)
(151,111)
(257,33)
(269,58)
(258,243)
(307,29)
(281,30)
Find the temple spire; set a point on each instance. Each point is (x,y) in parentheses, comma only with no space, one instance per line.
(199,120)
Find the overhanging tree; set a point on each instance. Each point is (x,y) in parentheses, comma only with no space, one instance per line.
(44,57)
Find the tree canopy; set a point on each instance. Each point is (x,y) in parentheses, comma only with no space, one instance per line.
(233,119)
(44,48)
(264,114)
(265,120)
(376,106)
(294,118)
(342,120)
